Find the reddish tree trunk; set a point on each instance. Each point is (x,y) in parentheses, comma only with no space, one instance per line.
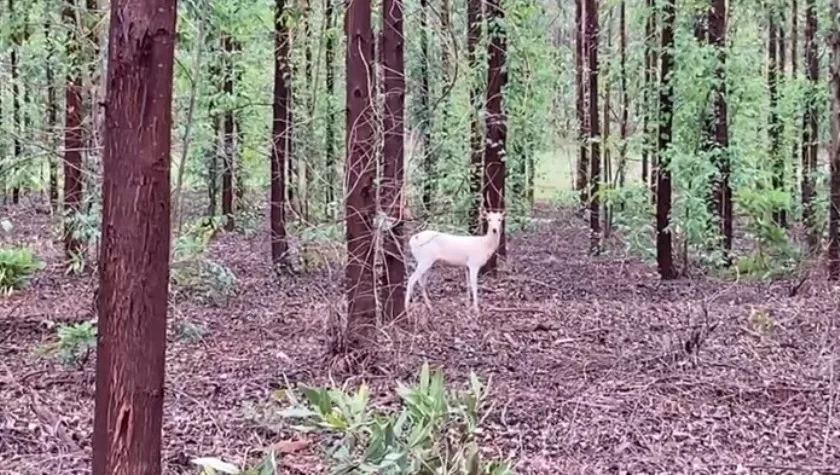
(723,191)
(72,134)
(227,162)
(495,147)
(280,134)
(474,19)
(393,65)
(594,127)
(135,239)
(834,159)
(360,202)
(664,248)
(583,160)
(810,125)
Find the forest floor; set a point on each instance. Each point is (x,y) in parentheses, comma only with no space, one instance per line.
(595,363)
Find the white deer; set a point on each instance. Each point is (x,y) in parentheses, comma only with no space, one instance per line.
(471,252)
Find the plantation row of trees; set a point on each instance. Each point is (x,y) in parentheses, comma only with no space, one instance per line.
(712,137)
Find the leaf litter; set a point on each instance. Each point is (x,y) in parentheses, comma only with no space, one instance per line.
(597,366)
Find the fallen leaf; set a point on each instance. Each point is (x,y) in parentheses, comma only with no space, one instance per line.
(291,446)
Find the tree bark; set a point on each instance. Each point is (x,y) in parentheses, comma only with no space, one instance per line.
(475,16)
(73,144)
(360,203)
(17,126)
(722,188)
(227,161)
(810,126)
(834,160)
(393,64)
(625,99)
(429,156)
(794,69)
(280,135)
(594,127)
(52,112)
(583,160)
(773,129)
(134,263)
(664,248)
(647,98)
(330,152)
(496,123)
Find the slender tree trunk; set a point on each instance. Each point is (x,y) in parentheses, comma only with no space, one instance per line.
(625,99)
(393,64)
(656,92)
(607,136)
(773,130)
(810,126)
(135,239)
(280,135)
(794,69)
(429,156)
(723,191)
(594,127)
(330,152)
(52,112)
(227,167)
(647,98)
(580,93)
(496,123)
(834,160)
(215,145)
(664,251)
(72,134)
(360,203)
(17,125)
(475,16)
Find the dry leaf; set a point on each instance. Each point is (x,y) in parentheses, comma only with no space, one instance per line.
(291,446)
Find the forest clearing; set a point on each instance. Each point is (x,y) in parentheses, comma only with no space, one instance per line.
(220,220)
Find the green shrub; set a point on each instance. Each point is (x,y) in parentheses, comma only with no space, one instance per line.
(74,342)
(17,265)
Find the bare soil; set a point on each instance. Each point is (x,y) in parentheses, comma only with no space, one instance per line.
(597,366)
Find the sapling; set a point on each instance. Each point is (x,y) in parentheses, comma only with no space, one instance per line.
(471,252)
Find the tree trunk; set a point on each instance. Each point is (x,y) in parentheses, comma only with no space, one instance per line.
(393,64)
(810,137)
(360,203)
(280,135)
(664,251)
(647,98)
(496,144)
(52,113)
(625,99)
(330,152)
(227,162)
(723,191)
(583,160)
(72,135)
(475,16)
(135,239)
(17,125)
(607,123)
(774,129)
(429,162)
(594,127)
(794,69)
(834,160)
